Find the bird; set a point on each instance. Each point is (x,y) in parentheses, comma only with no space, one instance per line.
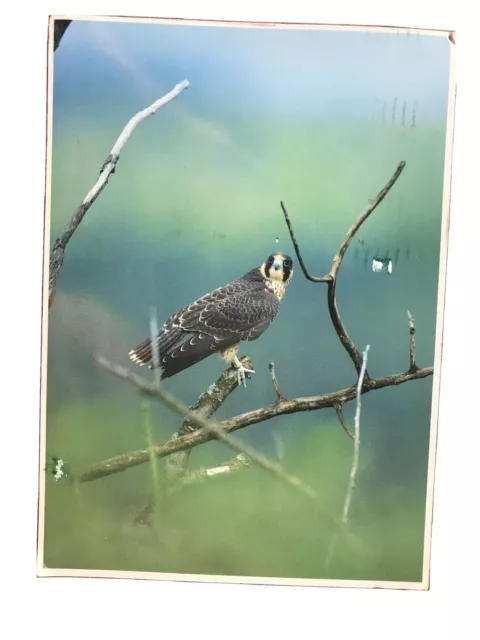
(219,321)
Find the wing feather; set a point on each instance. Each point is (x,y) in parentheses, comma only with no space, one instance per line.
(241,310)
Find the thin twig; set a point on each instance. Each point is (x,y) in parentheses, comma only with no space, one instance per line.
(331,276)
(157,372)
(411,323)
(356,440)
(278,393)
(343,422)
(198,437)
(216,430)
(58,251)
(297,250)
(337,261)
(356,454)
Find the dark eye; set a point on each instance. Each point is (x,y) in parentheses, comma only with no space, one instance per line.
(271,260)
(287,263)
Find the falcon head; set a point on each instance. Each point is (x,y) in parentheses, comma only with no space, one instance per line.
(278,268)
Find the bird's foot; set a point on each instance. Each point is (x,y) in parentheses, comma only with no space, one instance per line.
(241,371)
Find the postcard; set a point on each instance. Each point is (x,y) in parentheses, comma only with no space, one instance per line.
(246,231)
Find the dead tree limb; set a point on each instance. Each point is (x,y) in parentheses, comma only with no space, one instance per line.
(208,430)
(188,441)
(331,277)
(207,404)
(58,251)
(216,430)
(177,463)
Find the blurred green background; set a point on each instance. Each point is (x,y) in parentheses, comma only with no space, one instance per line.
(319,120)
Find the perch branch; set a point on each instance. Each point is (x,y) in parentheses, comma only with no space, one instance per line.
(190,440)
(207,404)
(356,440)
(331,276)
(58,251)
(177,463)
(411,324)
(216,431)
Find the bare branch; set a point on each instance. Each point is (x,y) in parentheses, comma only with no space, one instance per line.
(331,276)
(190,440)
(154,342)
(337,261)
(356,453)
(177,463)
(216,431)
(58,251)
(343,422)
(356,440)
(411,323)
(345,339)
(207,404)
(297,250)
(278,393)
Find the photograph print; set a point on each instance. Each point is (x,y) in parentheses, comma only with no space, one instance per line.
(246,232)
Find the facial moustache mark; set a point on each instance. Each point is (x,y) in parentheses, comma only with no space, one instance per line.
(286,273)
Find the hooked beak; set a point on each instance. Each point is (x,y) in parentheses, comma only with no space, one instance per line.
(278,264)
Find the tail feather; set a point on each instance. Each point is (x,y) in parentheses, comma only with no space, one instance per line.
(142,353)
(166,339)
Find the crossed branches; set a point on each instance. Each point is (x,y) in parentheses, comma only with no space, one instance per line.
(198,427)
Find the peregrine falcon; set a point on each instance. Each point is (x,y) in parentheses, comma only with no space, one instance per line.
(219,321)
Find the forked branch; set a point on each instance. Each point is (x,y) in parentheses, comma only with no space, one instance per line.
(215,431)
(331,277)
